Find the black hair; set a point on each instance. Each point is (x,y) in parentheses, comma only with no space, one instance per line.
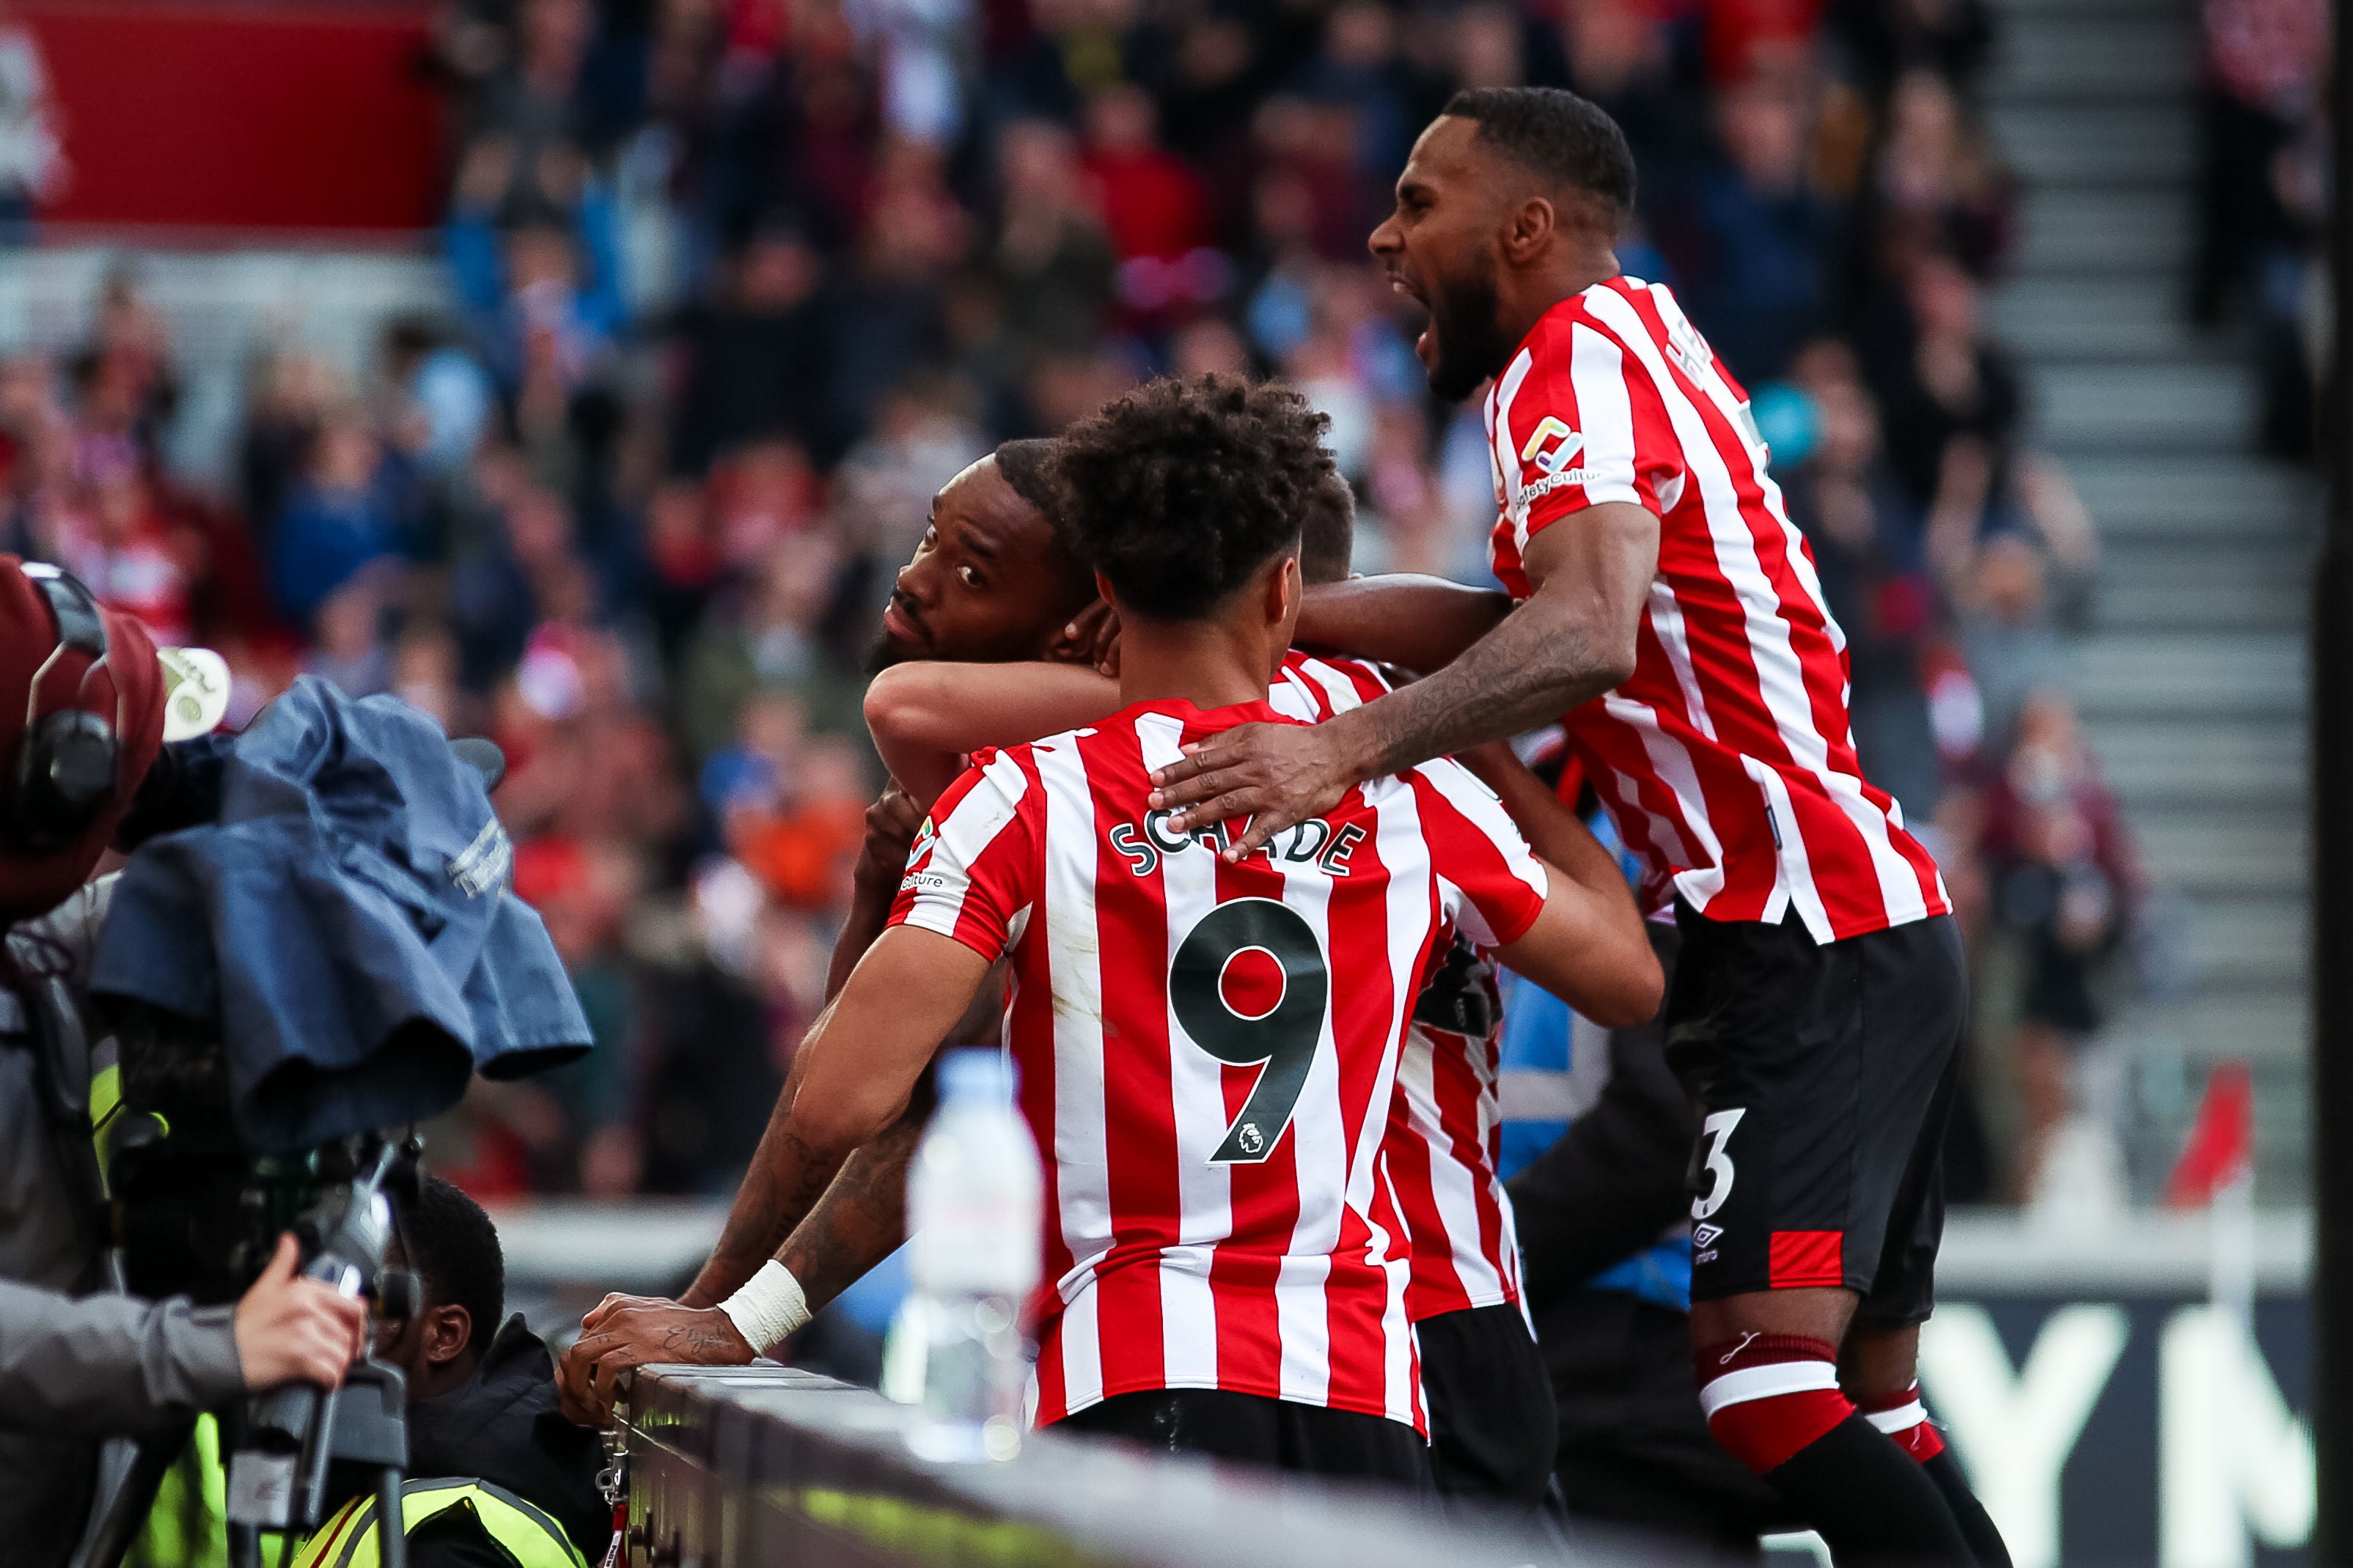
(1554,133)
(1022,465)
(1327,530)
(1179,491)
(454,1248)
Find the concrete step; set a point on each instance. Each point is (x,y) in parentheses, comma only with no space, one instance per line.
(2249,944)
(2225,587)
(2222,769)
(2071,56)
(2196,496)
(2267,1028)
(2104,145)
(2167,407)
(2182,675)
(2144,232)
(2205,854)
(2094,316)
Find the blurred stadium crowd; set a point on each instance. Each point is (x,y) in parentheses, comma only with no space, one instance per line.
(743,281)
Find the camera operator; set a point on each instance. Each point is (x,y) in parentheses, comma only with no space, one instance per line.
(82,701)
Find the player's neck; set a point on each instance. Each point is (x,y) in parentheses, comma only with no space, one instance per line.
(1523,299)
(1206,663)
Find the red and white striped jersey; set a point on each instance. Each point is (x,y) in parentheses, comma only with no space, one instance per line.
(1727,760)
(1446,1122)
(1446,1139)
(1207,1052)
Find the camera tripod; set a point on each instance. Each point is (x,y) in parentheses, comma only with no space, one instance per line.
(357,1436)
(289,1448)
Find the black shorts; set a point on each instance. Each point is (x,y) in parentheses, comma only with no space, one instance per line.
(1493,1427)
(1251,1429)
(1824,1077)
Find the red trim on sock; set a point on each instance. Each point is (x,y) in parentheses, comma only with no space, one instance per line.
(1806,1257)
(1711,1362)
(1921,1439)
(1765,1434)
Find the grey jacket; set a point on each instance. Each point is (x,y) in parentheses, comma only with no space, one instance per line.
(76,1366)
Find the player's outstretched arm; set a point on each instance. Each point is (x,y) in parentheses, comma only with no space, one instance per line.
(1588,946)
(1572,641)
(925,716)
(1581,950)
(862,1060)
(1404,619)
(756,1222)
(1555,832)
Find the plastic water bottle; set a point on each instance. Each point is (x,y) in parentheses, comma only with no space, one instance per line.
(973,1197)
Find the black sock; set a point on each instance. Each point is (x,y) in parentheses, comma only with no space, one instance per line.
(1869,1503)
(1977,1526)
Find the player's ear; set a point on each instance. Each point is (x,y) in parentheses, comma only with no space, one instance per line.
(1284,589)
(1528,228)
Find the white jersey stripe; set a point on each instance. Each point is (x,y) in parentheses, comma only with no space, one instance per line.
(1499,437)
(1081,1165)
(1398,838)
(1597,371)
(1188,1323)
(1667,622)
(1671,766)
(1452,1183)
(1081,1340)
(1339,692)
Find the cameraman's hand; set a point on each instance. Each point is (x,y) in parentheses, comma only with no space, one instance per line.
(288,1327)
(632,1330)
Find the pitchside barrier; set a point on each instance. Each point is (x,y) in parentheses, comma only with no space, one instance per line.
(2128,1389)
(737,1467)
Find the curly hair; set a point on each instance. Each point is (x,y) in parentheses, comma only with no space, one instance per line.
(1181,489)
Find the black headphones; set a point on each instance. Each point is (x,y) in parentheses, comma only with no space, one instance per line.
(66,767)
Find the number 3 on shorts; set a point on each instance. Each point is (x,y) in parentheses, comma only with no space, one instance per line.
(1718,1164)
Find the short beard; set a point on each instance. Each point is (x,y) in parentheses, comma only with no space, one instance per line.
(1470,346)
(882,655)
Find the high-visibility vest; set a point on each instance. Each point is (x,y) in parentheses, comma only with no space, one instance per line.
(348,1538)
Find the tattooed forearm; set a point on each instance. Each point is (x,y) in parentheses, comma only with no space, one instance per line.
(784,1180)
(861,1220)
(1529,670)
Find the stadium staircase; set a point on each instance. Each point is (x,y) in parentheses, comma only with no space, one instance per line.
(2193,681)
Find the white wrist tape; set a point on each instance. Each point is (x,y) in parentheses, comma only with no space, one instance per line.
(768,1306)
